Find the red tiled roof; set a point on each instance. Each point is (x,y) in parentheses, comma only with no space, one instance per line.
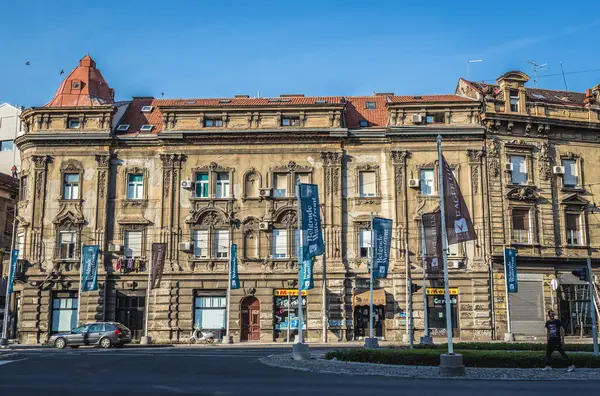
(429,98)
(232,102)
(84,86)
(356,110)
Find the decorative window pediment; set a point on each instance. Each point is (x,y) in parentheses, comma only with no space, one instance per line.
(286,217)
(133,220)
(208,217)
(213,166)
(575,200)
(525,194)
(291,167)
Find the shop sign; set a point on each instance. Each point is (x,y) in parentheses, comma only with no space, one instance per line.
(440,291)
(287,292)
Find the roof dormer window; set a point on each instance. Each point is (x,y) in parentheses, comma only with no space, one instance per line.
(364,123)
(76,85)
(147,109)
(514,101)
(123,128)
(146,127)
(371,105)
(74,123)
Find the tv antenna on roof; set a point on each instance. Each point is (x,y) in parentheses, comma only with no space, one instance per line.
(536,67)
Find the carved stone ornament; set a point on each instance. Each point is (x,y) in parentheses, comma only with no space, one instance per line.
(545,161)
(39,183)
(399,157)
(367,167)
(172,159)
(103,160)
(101,183)
(475,155)
(291,165)
(575,200)
(167,182)
(525,194)
(331,158)
(40,161)
(71,167)
(250,291)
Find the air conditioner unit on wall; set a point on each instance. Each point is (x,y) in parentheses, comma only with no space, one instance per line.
(185,246)
(417,118)
(265,192)
(414,183)
(115,248)
(187,184)
(508,167)
(558,170)
(263,225)
(454,264)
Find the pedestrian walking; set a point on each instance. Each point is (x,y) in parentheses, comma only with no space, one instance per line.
(555,338)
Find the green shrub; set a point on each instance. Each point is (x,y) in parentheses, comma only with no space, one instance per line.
(507,346)
(472,358)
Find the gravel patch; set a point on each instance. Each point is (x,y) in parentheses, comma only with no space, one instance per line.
(319,365)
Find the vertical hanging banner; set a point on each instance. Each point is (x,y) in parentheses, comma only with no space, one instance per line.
(510,268)
(13,269)
(159,251)
(233,267)
(459,227)
(89,268)
(310,230)
(432,223)
(308,281)
(382,239)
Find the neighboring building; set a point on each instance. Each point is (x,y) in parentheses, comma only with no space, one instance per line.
(10,129)
(543,172)
(198,174)
(9,190)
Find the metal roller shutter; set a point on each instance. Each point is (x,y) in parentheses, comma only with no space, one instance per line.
(527,309)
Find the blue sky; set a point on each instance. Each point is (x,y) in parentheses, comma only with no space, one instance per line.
(218,49)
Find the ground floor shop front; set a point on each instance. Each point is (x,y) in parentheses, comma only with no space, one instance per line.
(261,310)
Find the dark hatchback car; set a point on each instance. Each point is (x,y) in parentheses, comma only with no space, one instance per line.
(104,334)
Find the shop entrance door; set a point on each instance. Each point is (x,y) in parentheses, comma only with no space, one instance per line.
(130,312)
(361,321)
(250,319)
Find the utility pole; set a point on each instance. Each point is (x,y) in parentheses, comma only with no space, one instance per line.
(324,281)
(4,339)
(592,303)
(227,339)
(426,339)
(300,351)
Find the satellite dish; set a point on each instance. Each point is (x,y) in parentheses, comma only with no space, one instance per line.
(554,284)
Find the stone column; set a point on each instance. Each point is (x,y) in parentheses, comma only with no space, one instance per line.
(38,198)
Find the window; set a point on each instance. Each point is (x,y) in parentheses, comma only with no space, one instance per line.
(222,243)
(427,182)
(303,178)
(222,185)
(135,186)
(209,312)
(74,123)
(8,224)
(280,184)
(371,105)
(201,243)
(570,177)
(213,123)
(64,312)
(452,250)
(280,243)
(436,118)
(147,109)
(133,244)
(367,184)
(6,145)
(573,227)
(519,169)
(364,123)
(23,191)
(514,101)
(146,127)
(71,186)
(521,226)
(66,245)
(365,243)
(123,127)
(201,185)
(21,245)
(290,121)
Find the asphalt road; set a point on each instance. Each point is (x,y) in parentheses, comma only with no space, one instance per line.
(222,371)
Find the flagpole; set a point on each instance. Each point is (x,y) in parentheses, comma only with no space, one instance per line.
(425,339)
(508,336)
(444,249)
(4,340)
(324,287)
(147,339)
(80,284)
(300,351)
(371,282)
(228,339)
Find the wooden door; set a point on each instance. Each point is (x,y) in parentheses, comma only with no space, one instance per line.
(250,319)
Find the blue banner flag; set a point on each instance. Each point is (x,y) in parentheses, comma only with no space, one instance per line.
(233,268)
(13,269)
(89,268)
(510,270)
(308,281)
(382,239)
(310,229)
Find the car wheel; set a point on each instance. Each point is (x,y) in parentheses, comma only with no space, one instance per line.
(105,343)
(60,343)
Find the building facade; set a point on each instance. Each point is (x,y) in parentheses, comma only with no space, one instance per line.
(199,174)
(10,129)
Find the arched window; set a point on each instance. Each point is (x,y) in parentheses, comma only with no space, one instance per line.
(252,184)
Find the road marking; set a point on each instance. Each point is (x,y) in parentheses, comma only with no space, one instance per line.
(168,388)
(11,361)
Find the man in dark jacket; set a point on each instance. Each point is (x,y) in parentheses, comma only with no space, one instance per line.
(555,339)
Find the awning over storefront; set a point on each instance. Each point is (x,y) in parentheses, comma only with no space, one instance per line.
(363,298)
